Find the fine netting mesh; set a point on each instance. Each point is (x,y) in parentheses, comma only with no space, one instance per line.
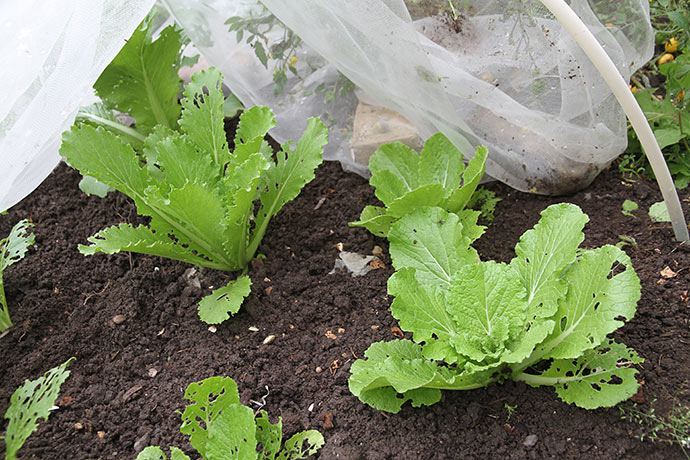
(503,73)
(52,53)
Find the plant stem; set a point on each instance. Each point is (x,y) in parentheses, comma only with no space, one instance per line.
(126,130)
(5,322)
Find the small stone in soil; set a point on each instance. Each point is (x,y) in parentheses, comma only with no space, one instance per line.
(78,426)
(153,372)
(253,328)
(269,339)
(119,319)
(319,370)
(212,329)
(530,441)
(101,434)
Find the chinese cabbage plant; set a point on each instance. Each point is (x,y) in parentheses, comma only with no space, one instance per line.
(406,180)
(176,165)
(12,249)
(221,428)
(199,195)
(542,319)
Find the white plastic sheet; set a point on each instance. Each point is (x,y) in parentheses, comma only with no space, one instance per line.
(52,54)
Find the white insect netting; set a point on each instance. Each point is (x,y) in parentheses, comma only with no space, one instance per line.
(52,53)
(500,73)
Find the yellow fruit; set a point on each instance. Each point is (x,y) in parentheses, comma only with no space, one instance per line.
(668,57)
(671,46)
(293,61)
(633,88)
(680,96)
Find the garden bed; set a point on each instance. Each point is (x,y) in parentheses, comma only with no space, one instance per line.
(129,378)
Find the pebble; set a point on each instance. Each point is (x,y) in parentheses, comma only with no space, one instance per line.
(78,426)
(101,434)
(141,442)
(212,329)
(377,251)
(119,319)
(319,370)
(269,339)
(153,372)
(253,328)
(530,441)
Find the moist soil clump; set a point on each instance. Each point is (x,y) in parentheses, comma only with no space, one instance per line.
(131,371)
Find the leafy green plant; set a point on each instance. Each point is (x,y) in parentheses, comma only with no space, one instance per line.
(406,180)
(665,107)
(628,207)
(199,195)
(221,428)
(176,165)
(542,319)
(670,20)
(669,118)
(29,403)
(12,250)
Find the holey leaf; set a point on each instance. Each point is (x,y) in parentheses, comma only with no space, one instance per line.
(603,291)
(487,301)
(602,377)
(203,124)
(223,302)
(210,398)
(30,403)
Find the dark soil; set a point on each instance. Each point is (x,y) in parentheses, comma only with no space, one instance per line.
(63,305)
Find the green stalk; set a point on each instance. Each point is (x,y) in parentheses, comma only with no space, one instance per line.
(5,322)
(195,237)
(255,241)
(541,380)
(126,130)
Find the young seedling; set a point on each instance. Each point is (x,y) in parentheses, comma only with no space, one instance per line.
(542,319)
(628,208)
(30,403)
(220,427)
(12,249)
